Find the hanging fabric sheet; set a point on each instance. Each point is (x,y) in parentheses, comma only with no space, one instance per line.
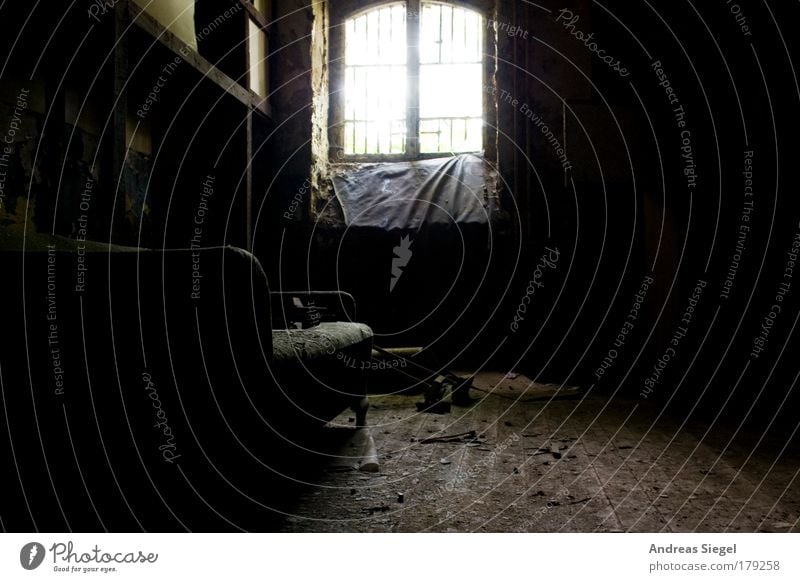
(406,195)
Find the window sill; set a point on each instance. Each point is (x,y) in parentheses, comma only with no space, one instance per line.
(345,160)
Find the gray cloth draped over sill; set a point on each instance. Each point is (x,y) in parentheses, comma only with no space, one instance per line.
(406,195)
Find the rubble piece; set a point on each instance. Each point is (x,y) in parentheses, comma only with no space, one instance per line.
(377,509)
(369,454)
(549,448)
(452,438)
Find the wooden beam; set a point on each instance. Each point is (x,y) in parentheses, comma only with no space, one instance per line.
(255,15)
(153,28)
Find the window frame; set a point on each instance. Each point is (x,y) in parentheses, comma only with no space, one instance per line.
(346,9)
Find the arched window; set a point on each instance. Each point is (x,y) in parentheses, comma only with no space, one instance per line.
(413,81)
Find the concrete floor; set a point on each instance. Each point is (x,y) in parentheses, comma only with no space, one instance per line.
(570,465)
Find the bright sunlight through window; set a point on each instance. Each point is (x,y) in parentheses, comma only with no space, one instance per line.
(390,110)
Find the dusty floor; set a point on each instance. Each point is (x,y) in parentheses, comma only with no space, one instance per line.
(583,465)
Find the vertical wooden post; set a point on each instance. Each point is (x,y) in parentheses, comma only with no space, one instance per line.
(248,178)
(249,182)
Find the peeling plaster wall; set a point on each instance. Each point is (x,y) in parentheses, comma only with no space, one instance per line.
(19,170)
(292,101)
(320,87)
(63,143)
(39,195)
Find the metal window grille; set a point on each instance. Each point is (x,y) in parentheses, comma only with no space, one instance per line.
(413,85)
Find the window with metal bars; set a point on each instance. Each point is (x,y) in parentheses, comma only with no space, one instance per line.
(413,78)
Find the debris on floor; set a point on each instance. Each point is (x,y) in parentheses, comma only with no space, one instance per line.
(560,466)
